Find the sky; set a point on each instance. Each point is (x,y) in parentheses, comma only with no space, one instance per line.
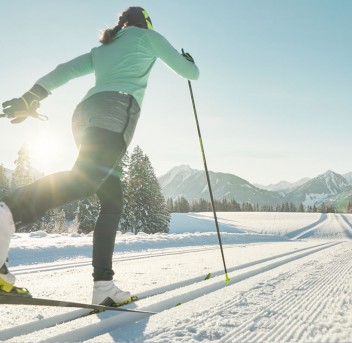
(273,98)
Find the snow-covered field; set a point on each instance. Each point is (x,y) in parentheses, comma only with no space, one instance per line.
(291,281)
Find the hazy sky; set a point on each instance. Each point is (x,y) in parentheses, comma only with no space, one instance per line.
(273,98)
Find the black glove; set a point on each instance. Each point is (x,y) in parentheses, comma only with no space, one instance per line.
(187,56)
(26,106)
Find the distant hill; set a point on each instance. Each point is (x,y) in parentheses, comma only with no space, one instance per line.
(192,184)
(317,190)
(284,187)
(329,187)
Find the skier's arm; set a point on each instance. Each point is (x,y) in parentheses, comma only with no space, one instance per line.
(79,66)
(170,56)
(19,109)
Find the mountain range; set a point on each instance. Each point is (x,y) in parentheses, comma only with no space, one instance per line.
(330,188)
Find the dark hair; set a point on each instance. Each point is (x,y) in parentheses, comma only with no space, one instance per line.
(133,16)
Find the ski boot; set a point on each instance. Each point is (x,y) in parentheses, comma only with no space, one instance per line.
(105,292)
(7,281)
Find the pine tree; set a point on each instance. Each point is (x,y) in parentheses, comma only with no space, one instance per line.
(123,174)
(349,207)
(87,213)
(146,209)
(134,198)
(170,205)
(22,175)
(181,205)
(300,208)
(247,207)
(53,221)
(4,182)
(201,205)
(322,208)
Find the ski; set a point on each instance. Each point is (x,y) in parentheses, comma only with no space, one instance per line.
(74,315)
(19,300)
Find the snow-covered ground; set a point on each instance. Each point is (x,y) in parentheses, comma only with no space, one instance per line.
(291,281)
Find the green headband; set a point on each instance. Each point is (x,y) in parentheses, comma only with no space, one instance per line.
(147,20)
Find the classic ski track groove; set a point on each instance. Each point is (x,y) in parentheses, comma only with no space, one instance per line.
(325,218)
(294,235)
(124,319)
(289,323)
(67,317)
(88,261)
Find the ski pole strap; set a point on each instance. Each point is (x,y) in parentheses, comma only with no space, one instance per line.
(41,117)
(36,115)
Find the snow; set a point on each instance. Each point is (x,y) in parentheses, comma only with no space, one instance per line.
(315,198)
(291,281)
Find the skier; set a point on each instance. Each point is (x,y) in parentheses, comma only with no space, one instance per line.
(103,124)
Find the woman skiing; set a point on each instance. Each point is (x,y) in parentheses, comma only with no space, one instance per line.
(103,125)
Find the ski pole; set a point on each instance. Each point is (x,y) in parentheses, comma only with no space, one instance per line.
(208,180)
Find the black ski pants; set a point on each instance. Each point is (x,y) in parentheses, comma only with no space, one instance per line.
(93,173)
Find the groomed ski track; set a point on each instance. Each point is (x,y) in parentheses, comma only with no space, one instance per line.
(293,316)
(54,329)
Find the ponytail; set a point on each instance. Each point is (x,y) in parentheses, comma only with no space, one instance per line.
(133,16)
(108,35)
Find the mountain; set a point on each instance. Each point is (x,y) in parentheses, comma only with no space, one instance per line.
(319,189)
(192,185)
(342,200)
(330,188)
(348,177)
(284,187)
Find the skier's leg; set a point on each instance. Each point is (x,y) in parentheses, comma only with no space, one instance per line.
(111,200)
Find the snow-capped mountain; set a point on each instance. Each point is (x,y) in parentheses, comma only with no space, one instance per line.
(319,189)
(192,184)
(184,181)
(284,187)
(348,177)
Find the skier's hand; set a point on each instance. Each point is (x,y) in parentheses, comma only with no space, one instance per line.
(19,109)
(187,56)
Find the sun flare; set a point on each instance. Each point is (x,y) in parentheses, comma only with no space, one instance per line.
(45,150)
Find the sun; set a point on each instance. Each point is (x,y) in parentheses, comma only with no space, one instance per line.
(45,150)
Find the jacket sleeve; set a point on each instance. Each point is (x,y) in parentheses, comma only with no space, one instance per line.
(79,66)
(162,49)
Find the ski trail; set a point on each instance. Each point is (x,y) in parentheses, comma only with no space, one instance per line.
(348,229)
(297,233)
(333,227)
(293,318)
(88,261)
(46,323)
(173,297)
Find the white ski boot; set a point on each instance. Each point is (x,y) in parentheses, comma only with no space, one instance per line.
(107,289)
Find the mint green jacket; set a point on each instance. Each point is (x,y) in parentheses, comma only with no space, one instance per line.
(123,65)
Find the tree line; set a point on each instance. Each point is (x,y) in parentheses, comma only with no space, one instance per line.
(145,208)
(182,205)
